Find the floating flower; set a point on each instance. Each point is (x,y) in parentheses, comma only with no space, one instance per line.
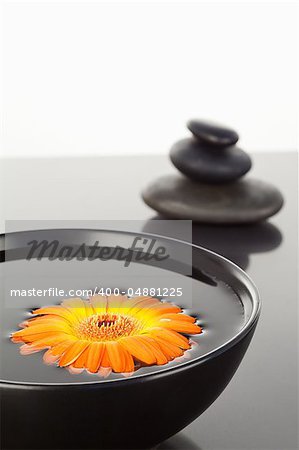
(107,334)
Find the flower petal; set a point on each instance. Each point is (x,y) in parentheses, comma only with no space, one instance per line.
(130,366)
(168,349)
(180,326)
(99,304)
(117,356)
(41,329)
(137,348)
(171,336)
(72,353)
(105,359)
(76,306)
(152,345)
(47,342)
(94,356)
(54,353)
(35,337)
(26,349)
(81,361)
(57,311)
(172,316)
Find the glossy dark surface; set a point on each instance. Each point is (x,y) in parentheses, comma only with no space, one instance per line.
(258,410)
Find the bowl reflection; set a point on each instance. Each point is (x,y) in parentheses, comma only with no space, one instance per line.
(178,442)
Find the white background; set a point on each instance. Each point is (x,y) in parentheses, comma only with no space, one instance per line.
(93,78)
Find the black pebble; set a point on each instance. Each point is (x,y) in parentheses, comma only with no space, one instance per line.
(212,133)
(245,201)
(201,162)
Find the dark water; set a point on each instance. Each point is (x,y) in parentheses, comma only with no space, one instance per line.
(218,309)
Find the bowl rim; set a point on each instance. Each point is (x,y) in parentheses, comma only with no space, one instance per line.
(248,325)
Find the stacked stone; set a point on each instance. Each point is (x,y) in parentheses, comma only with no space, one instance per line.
(211,188)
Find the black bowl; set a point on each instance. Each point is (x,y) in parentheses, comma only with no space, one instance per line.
(127,413)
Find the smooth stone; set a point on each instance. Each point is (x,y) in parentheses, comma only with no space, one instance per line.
(213,133)
(245,201)
(200,162)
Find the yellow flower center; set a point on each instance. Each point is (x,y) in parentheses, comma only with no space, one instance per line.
(107,327)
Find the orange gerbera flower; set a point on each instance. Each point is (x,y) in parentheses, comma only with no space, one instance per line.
(107,334)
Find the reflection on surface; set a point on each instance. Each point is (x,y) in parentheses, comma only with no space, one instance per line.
(234,242)
(178,442)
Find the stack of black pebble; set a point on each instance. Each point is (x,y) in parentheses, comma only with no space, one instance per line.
(211,189)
